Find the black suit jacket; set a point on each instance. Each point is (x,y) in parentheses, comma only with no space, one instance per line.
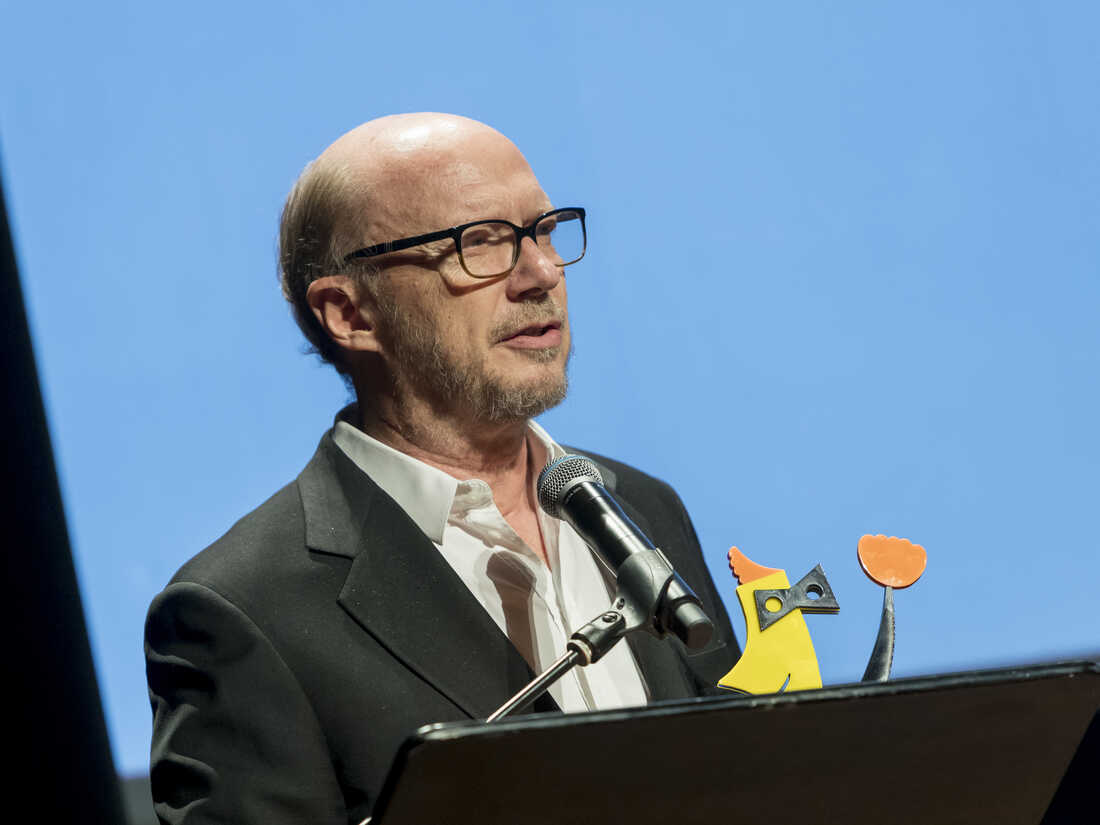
(289,660)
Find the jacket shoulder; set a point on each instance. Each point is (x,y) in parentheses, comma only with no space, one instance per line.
(257,547)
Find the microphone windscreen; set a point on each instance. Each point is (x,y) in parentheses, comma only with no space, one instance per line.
(559,476)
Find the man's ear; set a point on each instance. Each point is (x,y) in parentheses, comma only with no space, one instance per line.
(347,320)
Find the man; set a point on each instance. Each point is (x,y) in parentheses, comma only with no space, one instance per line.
(407,575)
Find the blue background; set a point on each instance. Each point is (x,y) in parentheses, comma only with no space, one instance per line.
(842,279)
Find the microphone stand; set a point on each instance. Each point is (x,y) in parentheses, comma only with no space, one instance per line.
(585,646)
(650,596)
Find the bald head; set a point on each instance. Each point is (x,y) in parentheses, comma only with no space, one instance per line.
(390,178)
(415,173)
(387,140)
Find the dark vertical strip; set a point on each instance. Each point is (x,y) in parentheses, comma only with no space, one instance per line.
(62,767)
(1076,795)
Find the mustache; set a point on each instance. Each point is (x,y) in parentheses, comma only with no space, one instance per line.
(524,316)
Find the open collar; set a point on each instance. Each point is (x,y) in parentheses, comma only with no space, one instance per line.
(402,592)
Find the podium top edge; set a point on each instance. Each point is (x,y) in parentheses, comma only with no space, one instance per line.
(442,731)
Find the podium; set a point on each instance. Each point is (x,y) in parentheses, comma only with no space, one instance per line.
(985,746)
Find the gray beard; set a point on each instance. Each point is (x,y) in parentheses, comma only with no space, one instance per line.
(424,365)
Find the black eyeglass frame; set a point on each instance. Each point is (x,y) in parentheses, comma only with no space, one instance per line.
(455,234)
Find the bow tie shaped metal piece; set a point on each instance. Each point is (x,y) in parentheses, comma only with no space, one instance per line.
(811,593)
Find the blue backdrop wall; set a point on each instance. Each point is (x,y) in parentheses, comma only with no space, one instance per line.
(842,279)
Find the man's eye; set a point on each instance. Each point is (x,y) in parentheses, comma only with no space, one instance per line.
(481,238)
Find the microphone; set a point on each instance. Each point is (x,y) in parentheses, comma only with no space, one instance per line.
(650,593)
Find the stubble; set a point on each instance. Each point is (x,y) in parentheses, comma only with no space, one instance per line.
(425,365)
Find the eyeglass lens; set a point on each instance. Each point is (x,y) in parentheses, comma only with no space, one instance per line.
(490,248)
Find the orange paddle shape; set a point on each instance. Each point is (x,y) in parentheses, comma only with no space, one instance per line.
(893,563)
(890,561)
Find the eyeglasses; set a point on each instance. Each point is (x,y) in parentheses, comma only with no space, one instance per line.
(487,249)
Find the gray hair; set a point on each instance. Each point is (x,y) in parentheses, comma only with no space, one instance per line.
(316,229)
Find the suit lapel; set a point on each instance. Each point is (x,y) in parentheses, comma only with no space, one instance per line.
(402,591)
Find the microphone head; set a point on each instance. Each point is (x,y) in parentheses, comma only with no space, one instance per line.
(559,476)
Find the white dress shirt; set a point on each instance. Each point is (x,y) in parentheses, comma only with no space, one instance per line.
(536,606)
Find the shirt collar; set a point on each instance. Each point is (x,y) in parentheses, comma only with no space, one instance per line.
(426,493)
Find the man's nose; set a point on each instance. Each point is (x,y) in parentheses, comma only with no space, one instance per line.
(534,272)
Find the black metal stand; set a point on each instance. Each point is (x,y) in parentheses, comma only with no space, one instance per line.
(882,656)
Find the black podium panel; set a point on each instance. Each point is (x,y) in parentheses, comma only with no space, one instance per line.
(987,746)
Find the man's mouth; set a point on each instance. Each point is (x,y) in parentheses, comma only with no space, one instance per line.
(535,336)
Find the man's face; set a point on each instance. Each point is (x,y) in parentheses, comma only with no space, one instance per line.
(496,349)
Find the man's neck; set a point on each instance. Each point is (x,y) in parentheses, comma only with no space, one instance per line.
(499,454)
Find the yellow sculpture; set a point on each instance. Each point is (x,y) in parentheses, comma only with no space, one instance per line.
(778,654)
